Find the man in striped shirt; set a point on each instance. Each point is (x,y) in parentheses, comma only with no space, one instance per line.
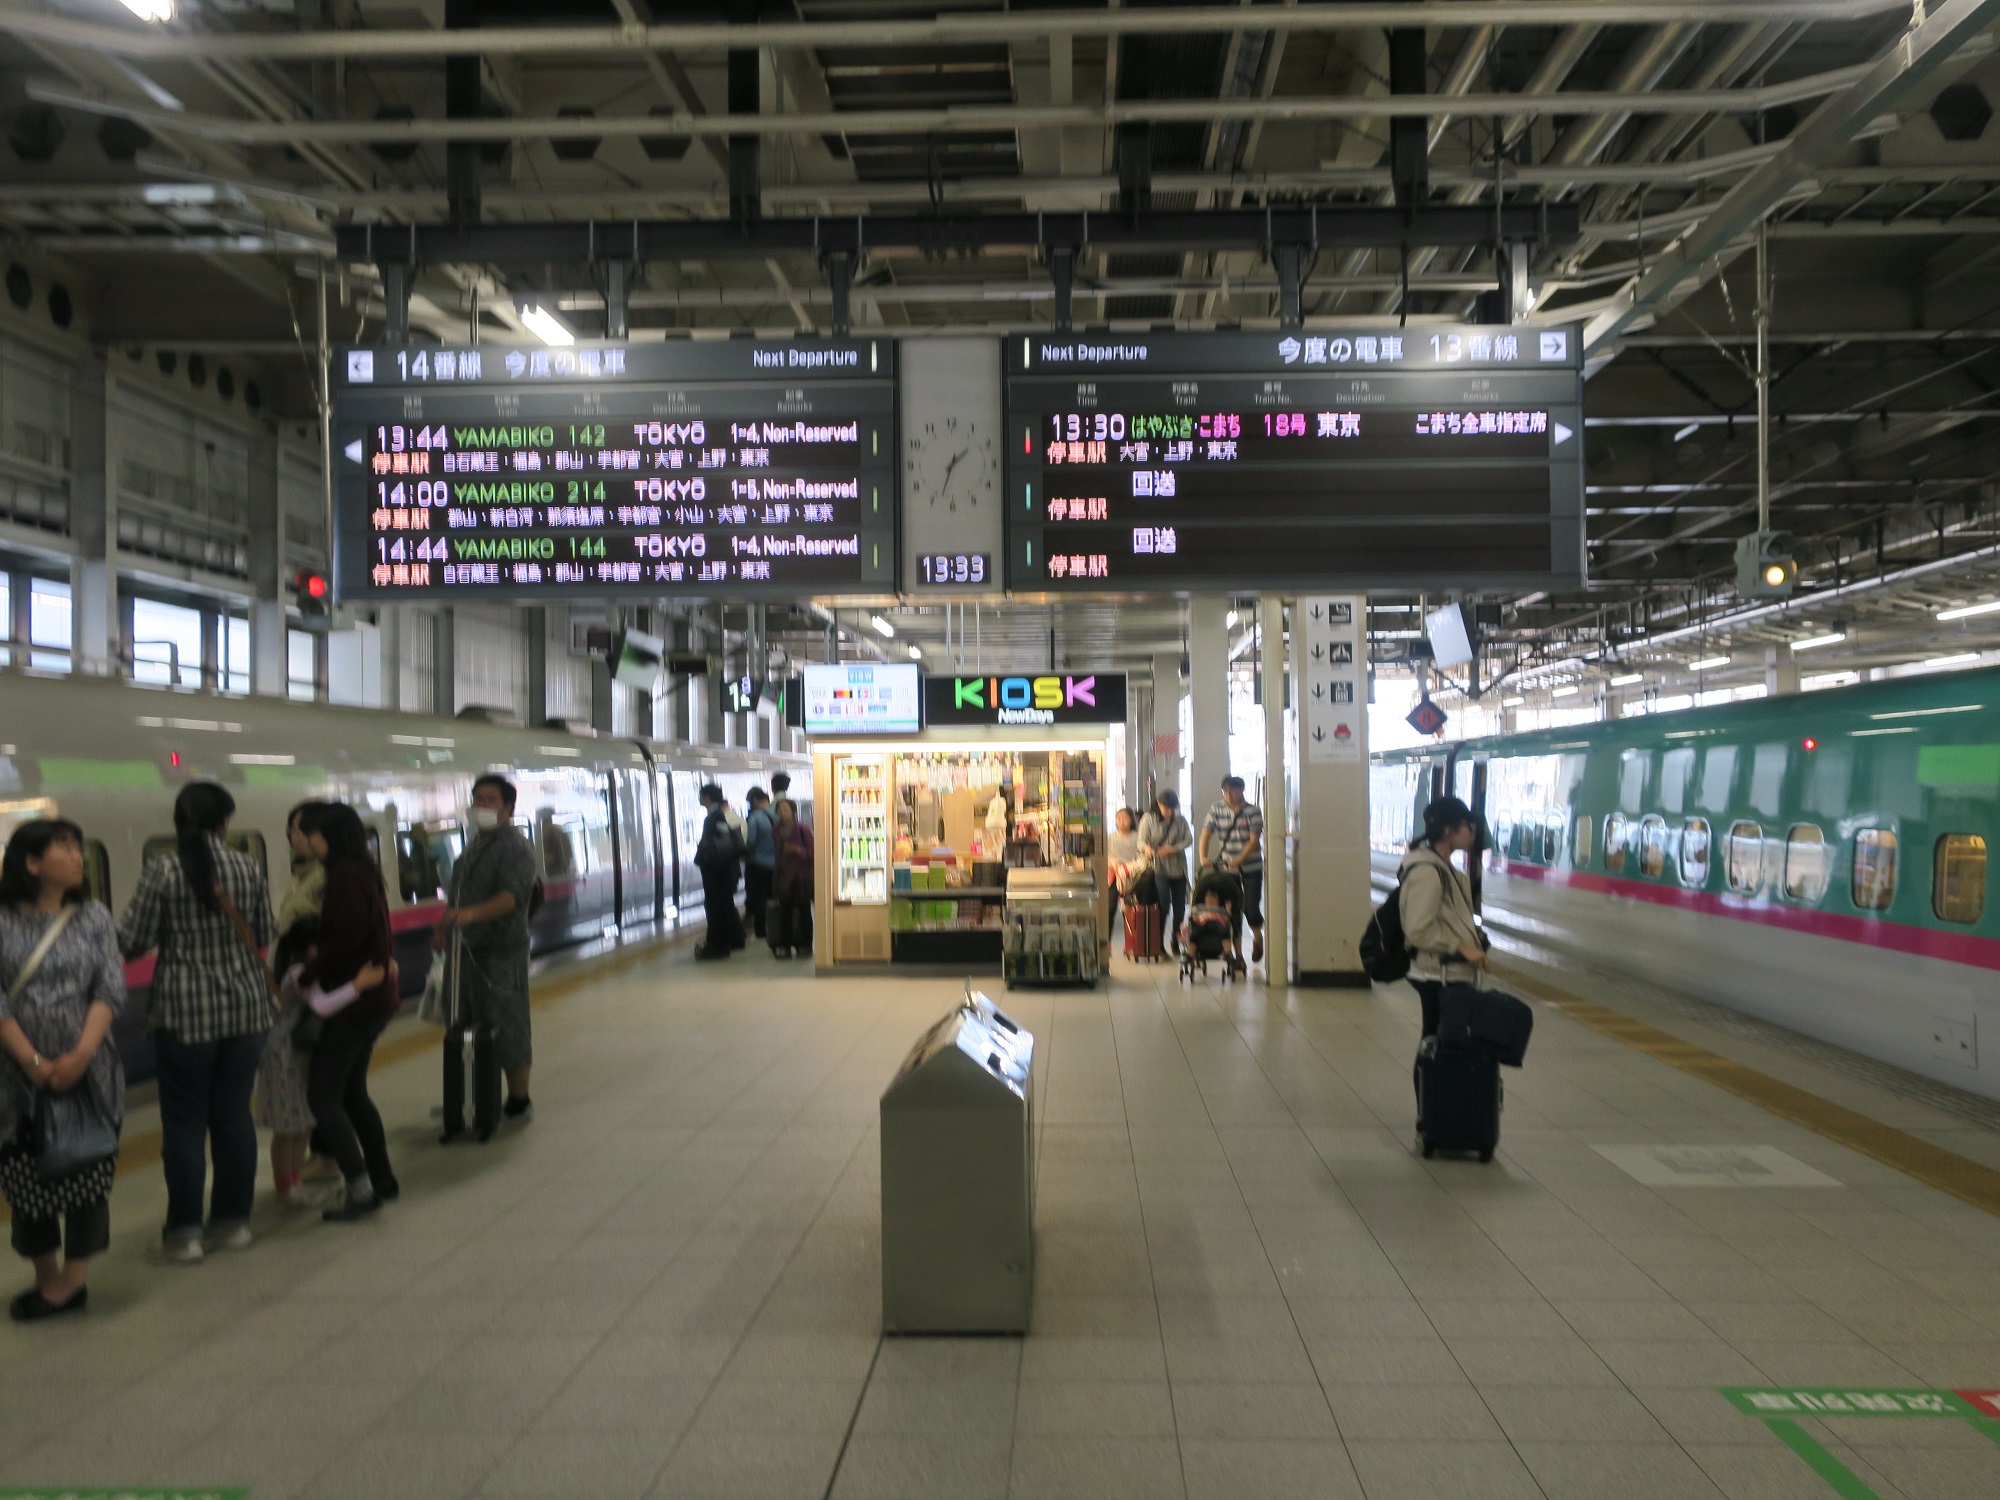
(1232,838)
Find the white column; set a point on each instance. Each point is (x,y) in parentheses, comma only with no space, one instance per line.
(1164,769)
(1781,671)
(1330,674)
(93,584)
(354,666)
(1277,810)
(1208,646)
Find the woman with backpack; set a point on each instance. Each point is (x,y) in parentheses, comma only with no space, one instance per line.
(1435,903)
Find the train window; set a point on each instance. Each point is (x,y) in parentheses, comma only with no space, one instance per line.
(1874,884)
(425,856)
(1694,852)
(97,871)
(161,846)
(1958,884)
(1552,838)
(1615,835)
(1581,843)
(1745,852)
(1805,862)
(1652,845)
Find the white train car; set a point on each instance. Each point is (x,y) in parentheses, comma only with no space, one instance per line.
(613,821)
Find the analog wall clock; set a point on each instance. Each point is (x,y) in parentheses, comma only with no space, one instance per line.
(953,463)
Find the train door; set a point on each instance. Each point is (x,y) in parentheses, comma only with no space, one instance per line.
(1475,861)
(670,846)
(638,867)
(615,796)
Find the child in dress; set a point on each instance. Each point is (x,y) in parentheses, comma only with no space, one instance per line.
(281,1105)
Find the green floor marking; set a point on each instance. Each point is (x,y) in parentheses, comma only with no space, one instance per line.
(1988,1426)
(1843,1479)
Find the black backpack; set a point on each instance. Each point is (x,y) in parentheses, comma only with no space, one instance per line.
(1385,957)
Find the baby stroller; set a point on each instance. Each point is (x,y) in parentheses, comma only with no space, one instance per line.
(1204,940)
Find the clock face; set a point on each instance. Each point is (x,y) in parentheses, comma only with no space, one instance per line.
(953,462)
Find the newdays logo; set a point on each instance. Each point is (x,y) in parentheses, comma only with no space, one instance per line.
(1023,700)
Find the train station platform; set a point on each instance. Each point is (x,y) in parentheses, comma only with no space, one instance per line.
(1666,1284)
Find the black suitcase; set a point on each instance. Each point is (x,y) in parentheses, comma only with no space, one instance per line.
(1458,1100)
(774,925)
(471,1065)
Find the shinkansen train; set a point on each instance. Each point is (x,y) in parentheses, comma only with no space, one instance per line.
(1819,860)
(613,821)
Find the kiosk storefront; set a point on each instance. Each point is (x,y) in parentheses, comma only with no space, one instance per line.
(924,827)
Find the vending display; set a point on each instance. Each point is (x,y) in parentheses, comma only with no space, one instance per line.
(862,791)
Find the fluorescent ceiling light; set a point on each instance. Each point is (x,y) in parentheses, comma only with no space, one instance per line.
(1813,643)
(546,326)
(1229,620)
(883,626)
(1708,664)
(1512,702)
(1861,734)
(1563,692)
(915,654)
(150,10)
(1687,432)
(1967,611)
(1628,679)
(1957,659)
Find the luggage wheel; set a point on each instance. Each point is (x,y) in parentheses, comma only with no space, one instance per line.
(1429,1149)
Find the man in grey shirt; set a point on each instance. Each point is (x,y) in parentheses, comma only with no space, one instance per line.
(492,887)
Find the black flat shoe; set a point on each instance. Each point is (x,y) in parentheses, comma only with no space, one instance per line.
(349,1213)
(388,1192)
(32,1307)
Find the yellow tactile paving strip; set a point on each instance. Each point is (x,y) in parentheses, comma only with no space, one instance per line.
(1948,1172)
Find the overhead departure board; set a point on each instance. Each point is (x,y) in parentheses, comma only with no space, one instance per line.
(1369,458)
(715,469)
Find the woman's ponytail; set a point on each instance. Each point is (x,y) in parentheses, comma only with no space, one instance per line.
(200,811)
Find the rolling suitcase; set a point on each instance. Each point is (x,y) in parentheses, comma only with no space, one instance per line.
(1458,1100)
(1142,933)
(471,1066)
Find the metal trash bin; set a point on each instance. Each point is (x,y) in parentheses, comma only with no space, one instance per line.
(958,1191)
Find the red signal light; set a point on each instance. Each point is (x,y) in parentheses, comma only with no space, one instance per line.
(174,759)
(315,586)
(1810,743)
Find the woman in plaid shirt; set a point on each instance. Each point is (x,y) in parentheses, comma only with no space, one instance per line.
(206,911)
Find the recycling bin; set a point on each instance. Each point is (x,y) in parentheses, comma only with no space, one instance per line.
(958,1191)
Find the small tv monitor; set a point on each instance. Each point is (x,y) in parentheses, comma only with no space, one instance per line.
(1450,635)
(863,698)
(637,659)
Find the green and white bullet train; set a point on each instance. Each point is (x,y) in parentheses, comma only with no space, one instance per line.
(613,820)
(1817,860)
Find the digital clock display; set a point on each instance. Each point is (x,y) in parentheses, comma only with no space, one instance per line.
(1212,461)
(954,567)
(749,487)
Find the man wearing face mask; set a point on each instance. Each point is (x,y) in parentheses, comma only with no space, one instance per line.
(491,888)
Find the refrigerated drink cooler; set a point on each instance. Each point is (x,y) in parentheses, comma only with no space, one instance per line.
(958,1190)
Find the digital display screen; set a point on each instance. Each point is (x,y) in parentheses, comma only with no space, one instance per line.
(1209,461)
(953,567)
(731,469)
(857,698)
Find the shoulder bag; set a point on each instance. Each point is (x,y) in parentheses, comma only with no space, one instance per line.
(73,1131)
(246,938)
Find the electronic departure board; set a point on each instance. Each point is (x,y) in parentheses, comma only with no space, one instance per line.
(718,469)
(1367,458)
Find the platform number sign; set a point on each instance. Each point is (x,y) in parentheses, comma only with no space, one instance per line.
(1782,1408)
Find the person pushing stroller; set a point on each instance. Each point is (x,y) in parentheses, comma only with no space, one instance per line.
(1210,930)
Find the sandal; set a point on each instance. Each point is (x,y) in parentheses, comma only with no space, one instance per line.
(32,1307)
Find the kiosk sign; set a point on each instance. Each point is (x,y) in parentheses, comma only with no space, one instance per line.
(1047,699)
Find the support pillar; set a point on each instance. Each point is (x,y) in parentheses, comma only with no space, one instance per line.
(1166,724)
(1277,795)
(267,570)
(444,665)
(93,586)
(714,726)
(1331,868)
(535,623)
(354,666)
(1781,671)
(1208,684)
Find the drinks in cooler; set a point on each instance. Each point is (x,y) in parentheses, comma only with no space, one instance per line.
(861,787)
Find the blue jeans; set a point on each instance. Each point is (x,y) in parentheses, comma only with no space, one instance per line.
(205,1110)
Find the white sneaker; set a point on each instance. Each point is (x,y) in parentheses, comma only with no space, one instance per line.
(235,1237)
(177,1252)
